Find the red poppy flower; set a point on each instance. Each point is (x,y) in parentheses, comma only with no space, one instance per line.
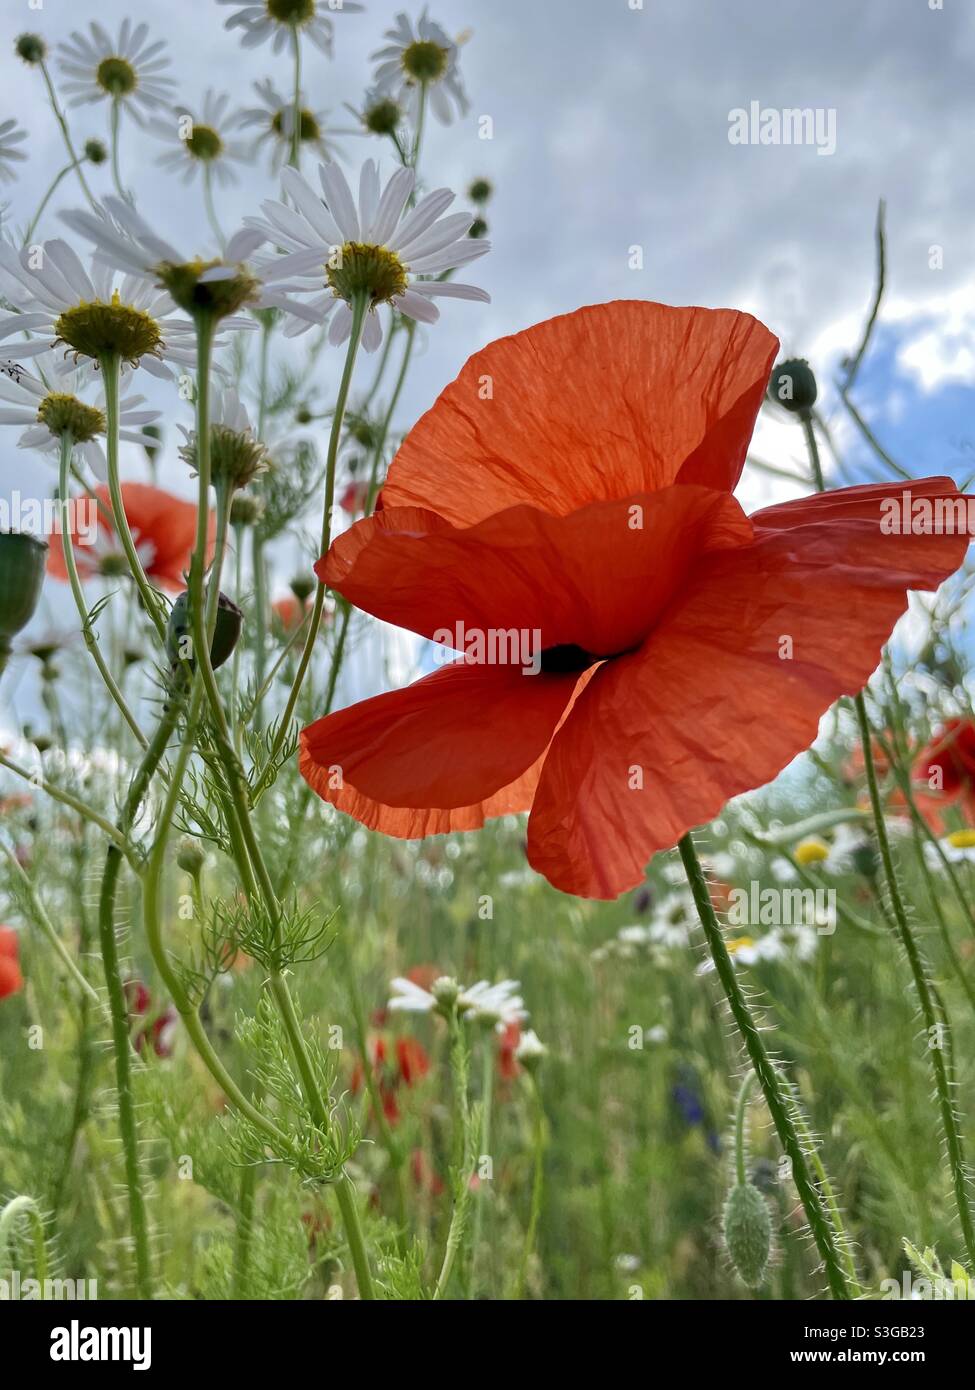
(576,481)
(160,1031)
(11,980)
(944,773)
(410,1066)
(163,530)
(289,612)
(354,497)
(508,1041)
(425,1176)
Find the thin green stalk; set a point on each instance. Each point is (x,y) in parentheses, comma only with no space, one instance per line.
(538,1176)
(151,600)
(811,443)
(487,1098)
(462,1171)
(45,200)
(81,808)
(938,1030)
(766,1073)
(741,1109)
(359,310)
(85,1047)
(91,641)
(118,1006)
(116,172)
(42,920)
(66,134)
(211,210)
(295,159)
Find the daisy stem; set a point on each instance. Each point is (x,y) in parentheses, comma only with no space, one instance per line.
(418,136)
(66,133)
(360,307)
(151,601)
(937,1028)
(295,159)
(91,641)
(45,200)
(257,540)
(780,1106)
(211,209)
(463,1146)
(812,445)
(116,174)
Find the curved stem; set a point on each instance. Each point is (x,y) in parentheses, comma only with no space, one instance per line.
(211,210)
(45,200)
(66,133)
(91,641)
(765,1072)
(116,173)
(938,1029)
(812,445)
(295,159)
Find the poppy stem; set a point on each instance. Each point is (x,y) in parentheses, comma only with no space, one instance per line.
(936,1023)
(778,1100)
(812,445)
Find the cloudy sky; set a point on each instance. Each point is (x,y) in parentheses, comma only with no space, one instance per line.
(609,125)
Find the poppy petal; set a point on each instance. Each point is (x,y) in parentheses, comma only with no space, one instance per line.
(606,402)
(597,579)
(442,754)
(731,686)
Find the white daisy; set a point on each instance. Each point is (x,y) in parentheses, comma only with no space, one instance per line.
(336,249)
(10,137)
(274,120)
(128,71)
(530,1048)
(284,20)
(421,60)
(496,1005)
(66,306)
(125,241)
(958,847)
(201,143)
(380,114)
(409,998)
(235,451)
(44,413)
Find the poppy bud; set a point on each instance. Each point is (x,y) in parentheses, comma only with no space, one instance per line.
(226,633)
(748,1233)
(793,386)
(302,586)
(22,562)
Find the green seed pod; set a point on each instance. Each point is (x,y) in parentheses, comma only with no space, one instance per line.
(793,386)
(748,1233)
(303,586)
(179,636)
(22,562)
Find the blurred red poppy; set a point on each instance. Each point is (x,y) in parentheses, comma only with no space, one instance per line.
(159,1032)
(575,483)
(163,530)
(944,773)
(407,1066)
(508,1041)
(11,980)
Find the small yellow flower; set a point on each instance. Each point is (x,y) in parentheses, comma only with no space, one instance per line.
(811,851)
(740,943)
(962,839)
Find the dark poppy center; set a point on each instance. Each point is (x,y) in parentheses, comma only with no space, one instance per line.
(565,658)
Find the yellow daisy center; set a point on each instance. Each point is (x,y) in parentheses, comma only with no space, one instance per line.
(117,77)
(63,414)
(291,11)
(962,839)
(812,852)
(308,127)
(217,297)
(356,268)
(204,143)
(424,61)
(97,329)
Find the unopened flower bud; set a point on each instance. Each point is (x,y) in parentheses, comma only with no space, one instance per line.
(246,510)
(793,386)
(226,633)
(31,48)
(190,856)
(22,562)
(748,1233)
(302,586)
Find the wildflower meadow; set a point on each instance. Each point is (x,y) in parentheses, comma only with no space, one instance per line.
(487,757)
